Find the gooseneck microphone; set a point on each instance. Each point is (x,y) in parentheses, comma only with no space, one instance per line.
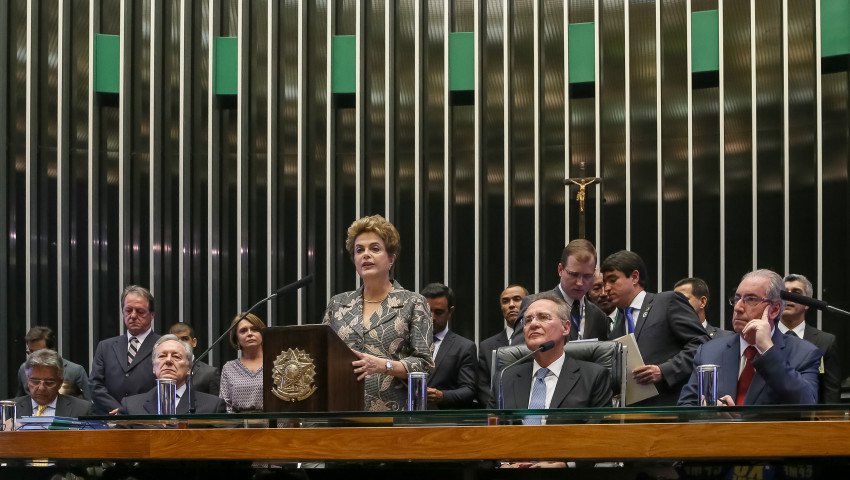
(500,399)
(280,291)
(811,302)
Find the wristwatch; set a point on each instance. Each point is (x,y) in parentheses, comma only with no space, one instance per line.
(389,366)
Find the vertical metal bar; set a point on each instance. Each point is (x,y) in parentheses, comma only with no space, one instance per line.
(688,27)
(213,183)
(155,179)
(359,94)
(417,141)
(124,105)
(659,152)
(566,122)
(721,94)
(536,103)
(754,128)
(476,12)
(272,157)
(389,95)
(329,152)
(184,159)
(302,162)
(93,199)
(447,144)
(242,154)
(597,62)
(63,177)
(506,137)
(819,150)
(31,160)
(786,194)
(4,179)
(627,73)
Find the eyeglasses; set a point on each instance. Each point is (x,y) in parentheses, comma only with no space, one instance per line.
(749,300)
(585,277)
(35,382)
(540,317)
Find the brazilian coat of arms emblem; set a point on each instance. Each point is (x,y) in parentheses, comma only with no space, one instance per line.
(293,375)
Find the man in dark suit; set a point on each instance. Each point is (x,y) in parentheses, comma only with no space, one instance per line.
(172,359)
(666,328)
(76,378)
(576,271)
(696,291)
(45,371)
(553,380)
(452,383)
(794,323)
(599,297)
(122,365)
(207,378)
(774,368)
(509,302)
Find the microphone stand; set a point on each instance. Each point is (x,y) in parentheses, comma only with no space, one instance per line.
(284,289)
(500,399)
(811,302)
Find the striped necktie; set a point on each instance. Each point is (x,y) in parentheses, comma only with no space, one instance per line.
(40,410)
(132,350)
(538,397)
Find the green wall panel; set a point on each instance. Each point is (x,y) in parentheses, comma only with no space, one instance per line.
(344,66)
(107,62)
(835,27)
(226,80)
(461,61)
(582,52)
(705,41)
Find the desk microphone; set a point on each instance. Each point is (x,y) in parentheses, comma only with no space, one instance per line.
(500,404)
(280,291)
(811,302)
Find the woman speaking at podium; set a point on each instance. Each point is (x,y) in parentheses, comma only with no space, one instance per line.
(388,328)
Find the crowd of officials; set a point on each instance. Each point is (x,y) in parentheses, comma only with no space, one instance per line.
(770,356)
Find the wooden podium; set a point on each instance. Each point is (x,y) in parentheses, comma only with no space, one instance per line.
(307,368)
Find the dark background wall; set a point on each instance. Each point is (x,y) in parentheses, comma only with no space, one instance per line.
(213,201)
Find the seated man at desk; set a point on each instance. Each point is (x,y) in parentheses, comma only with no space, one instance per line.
(172,358)
(553,380)
(45,370)
(759,365)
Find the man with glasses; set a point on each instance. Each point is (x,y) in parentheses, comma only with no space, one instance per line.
(45,371)
(759,365)
(122,365)
(665,326)
(75,377)
(576,271)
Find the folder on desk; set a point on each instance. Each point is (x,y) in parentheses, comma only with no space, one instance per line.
(635,392)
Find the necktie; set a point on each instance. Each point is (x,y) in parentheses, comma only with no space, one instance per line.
(747,374)
(40,410)
(575,317)
(630,323)
(791,333)
(132,350)
(538,396)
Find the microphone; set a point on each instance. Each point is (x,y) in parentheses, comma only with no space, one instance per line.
(500,400)
(280,291)
(811,302)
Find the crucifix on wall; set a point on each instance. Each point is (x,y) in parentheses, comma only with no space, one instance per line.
(581,195)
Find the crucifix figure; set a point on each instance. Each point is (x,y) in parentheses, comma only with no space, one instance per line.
(583,183)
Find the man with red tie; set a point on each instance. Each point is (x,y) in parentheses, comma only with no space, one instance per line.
(759,365)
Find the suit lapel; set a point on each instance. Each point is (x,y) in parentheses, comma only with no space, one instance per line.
(150,402)
(25,406)
(120,350)
(445,347)
(640,320)
(568,378)
(522,385)
(63,406)
(757,387)
(730,362)
(183,403)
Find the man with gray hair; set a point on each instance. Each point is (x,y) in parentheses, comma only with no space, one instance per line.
(794,323)
(44,369)
(172,358)
(759,365)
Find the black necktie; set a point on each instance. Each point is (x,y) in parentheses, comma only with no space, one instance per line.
(791,333)
(575,317)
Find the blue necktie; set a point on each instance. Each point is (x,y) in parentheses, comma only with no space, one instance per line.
(629,320)
(575,316)
(538,397)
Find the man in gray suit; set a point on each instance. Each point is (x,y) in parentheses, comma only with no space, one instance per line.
(794,323)
(76,379)
(122,364)
(452,383)
(172,359)
(45,371)
(666,328)
(696,291)
(207,378)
